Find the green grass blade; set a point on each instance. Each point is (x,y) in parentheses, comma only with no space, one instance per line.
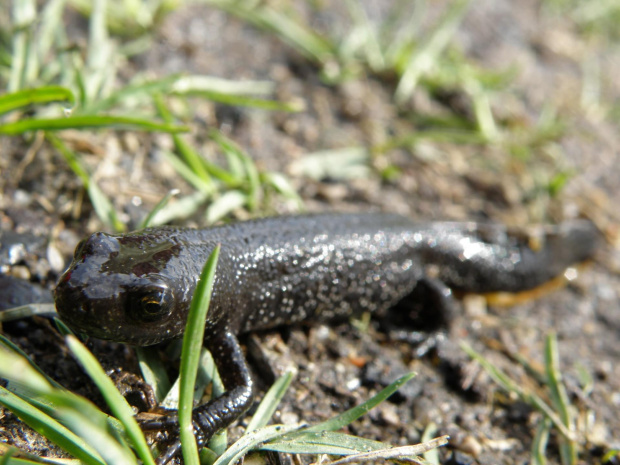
(482,106)
(431,456)
(84,122)
(226,204)
(50,428)
(343,163)
(294,106)
(146,222)
(304,40)
(559,398)
(104,208)
(242,164)
(227,177)
(190,356)
(62,327)
(78,78)
(187,173)
(609,456)
(40,95)
(117,403)
(252,440)
(8,344)
(24,14)
(17,369)
(219,442)
(424,58)
(369,40)
(539,444)
(189,155)
(102,205)
(51,23)
(353,414)
(71,158)
(232,152)
(282,185)
(130,91)
(199,83)
(322,442)
(182,208)
(25,311)
(153,371)
(94,429)
(406,454)
(270,402)
(100,57)
(509,385)
(7,454)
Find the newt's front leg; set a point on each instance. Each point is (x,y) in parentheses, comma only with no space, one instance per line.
(218,413)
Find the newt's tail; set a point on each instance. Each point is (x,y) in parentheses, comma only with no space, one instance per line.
(489,258)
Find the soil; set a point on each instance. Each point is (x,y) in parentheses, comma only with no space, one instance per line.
(44,212)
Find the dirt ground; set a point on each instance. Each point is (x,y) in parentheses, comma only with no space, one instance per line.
(43,207)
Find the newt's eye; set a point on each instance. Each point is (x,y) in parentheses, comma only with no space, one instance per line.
(150,303)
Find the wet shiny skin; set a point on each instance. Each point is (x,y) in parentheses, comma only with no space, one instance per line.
(137,287)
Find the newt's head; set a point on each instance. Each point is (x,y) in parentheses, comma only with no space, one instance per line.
(119,288)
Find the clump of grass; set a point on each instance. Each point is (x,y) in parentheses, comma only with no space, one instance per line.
(408,55)
(53,87)
(557,414)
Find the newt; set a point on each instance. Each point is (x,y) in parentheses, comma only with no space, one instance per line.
(136,288)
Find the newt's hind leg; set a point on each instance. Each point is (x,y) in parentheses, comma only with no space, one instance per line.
(422,317)
(218,413)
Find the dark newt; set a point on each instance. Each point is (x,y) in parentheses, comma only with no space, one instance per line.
(136,288)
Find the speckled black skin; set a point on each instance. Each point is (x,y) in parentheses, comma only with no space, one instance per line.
(136,288)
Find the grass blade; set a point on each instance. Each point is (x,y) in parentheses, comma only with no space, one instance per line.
(282,185)
(40,95)
(50,428)
(294,106)
(539,444)
(117,403)
(226,204)
(8,344)
(192,159)
(102,205)
(190,356)
(95,430)
(321,442)
(407,454)
(146,222)
(509,385)
(190,84)
(84,122)
(187,173)
(24,14)
(153,371)
(252,440)
(337,164)
(51,24)
(28,380)
(25,311)
(353,414)
(305,41)
(131,91)
(11,455)
(424,58)
(432,455)
(559,398)
(270,402)
(180,209)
